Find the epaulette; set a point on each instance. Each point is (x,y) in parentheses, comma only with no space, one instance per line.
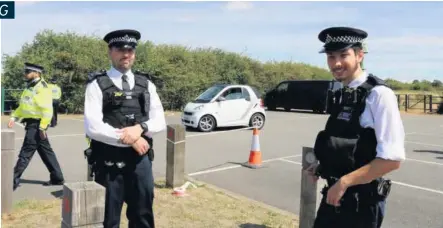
(45,84)
(374,80)
(93,75)
(147,75)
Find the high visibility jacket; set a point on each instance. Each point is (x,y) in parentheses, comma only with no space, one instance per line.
(56,91)
(36,102)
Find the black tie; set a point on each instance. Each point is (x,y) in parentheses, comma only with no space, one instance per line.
(125,84)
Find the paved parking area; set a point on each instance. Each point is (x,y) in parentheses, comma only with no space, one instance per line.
(213,157)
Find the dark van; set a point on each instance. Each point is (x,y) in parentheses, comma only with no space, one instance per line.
(301,94)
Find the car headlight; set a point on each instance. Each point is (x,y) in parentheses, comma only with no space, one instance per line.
(198,107)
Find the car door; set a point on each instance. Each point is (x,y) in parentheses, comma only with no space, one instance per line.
(233,105)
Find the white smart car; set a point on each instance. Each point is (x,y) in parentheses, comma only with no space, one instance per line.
(225,105)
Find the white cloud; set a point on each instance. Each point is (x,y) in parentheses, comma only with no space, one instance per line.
(238,6)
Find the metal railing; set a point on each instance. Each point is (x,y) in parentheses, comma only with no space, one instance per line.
(419,102)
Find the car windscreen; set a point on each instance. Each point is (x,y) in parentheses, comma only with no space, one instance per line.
(209,94)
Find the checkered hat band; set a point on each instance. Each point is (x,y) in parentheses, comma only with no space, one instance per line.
(33,68)
(125,39)
(343,39)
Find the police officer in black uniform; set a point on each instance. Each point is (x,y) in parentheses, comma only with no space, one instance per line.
(122,112)
(363,139)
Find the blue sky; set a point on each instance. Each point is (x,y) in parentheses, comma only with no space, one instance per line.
(404,40)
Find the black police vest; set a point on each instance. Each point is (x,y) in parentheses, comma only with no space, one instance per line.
(344,146)
(123,109)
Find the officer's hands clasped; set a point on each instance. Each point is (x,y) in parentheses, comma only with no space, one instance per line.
(141,146)
(131,134)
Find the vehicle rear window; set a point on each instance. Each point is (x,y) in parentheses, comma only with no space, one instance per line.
(257,93)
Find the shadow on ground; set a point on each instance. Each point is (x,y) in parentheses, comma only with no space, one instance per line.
(250,225)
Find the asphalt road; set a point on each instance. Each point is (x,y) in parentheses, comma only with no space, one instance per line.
(415,200)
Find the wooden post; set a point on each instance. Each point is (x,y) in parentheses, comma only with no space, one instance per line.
(308,193)
(175,155)
(430,103)
(406,102)
(83,205)
(8,148)
(398,101)
(424,103)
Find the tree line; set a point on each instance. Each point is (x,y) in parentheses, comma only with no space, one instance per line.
(180,73)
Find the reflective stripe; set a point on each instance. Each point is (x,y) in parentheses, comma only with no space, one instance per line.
(35,102)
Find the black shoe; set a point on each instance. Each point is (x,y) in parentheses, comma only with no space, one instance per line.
(52,183)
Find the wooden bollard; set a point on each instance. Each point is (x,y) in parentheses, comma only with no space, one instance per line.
(308,193)
(83,205)
(175,155)
(8,147)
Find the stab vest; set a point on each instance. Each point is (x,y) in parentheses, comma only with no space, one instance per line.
(344,146)
(123,109)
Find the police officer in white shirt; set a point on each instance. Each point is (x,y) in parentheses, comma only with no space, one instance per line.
(363,139)
(122,112)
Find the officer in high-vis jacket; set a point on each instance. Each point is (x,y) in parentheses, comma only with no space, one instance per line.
(122,112)
(363,139)
(56,95)
(35,111)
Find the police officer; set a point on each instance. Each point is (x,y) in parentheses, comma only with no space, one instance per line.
(122,112)
(56,95)
(363,139)
(35,111)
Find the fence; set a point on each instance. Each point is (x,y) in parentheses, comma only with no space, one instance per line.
(406,102)
(419,102)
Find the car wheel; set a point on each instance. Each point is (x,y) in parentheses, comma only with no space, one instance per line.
(206,123)
(257,120)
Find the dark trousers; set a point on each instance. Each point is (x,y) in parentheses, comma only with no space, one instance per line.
(369,215)
(31,143)
(133,184)
(55,104)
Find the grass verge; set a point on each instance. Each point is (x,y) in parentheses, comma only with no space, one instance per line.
(204,206)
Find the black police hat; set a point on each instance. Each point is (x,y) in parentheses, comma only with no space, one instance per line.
(34,67)
(124,38)
(341,38)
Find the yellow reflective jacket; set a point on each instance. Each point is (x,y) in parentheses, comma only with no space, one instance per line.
(56,91)
(36,102)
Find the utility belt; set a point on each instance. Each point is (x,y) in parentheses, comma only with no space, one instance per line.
(30,122)
(100,155)
(365,194)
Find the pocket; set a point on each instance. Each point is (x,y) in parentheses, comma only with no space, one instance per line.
(335,153)
(343,150)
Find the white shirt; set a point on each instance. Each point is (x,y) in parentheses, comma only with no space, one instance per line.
(98,130)
(382,114)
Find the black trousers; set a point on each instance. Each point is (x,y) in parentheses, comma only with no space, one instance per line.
(31,143)
(55,104)
(133,184)
(368,215)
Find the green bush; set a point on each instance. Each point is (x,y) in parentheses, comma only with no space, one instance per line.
(181,72)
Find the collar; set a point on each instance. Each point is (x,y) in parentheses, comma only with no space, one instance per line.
(359,80)
(33,82)
(114,73)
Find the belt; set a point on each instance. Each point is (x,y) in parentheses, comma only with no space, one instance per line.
(118,164)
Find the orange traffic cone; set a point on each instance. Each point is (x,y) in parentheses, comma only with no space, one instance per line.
(255,160)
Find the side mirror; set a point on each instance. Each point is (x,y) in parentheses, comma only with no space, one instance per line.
(248,98)
(220,98)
